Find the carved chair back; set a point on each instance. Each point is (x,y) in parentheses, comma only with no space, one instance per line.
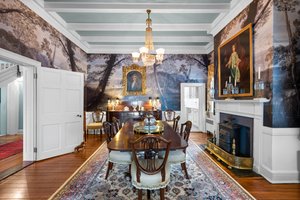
(145,154)
(185,130)
(169,115)
(107,127)
(116,123)
(97,116)
(175,122)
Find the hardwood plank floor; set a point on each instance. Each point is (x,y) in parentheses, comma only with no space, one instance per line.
(13,163)
(41,179)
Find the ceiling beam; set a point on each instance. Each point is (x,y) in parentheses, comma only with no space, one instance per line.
(142,38)
(137,27)
(128,49)
(85,7)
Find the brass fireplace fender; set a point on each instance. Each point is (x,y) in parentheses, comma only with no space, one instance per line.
(229,159)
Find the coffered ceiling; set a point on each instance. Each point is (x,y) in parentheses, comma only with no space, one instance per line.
(118,26)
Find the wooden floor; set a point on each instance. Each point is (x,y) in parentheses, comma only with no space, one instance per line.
(14,163)
(41,179)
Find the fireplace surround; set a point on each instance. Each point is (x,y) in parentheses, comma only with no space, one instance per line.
(275,150)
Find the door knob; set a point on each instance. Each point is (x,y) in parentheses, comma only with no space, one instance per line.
(78,115)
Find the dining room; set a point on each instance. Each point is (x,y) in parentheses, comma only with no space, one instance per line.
(195,99)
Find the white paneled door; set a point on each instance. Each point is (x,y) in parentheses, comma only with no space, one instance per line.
(193,105)
(59,111)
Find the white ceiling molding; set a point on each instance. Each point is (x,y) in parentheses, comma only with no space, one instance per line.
(128,49)
(209,47)
(49,11)
(85,7)
(142,38)
(137,27)
(237,6)
(36,7)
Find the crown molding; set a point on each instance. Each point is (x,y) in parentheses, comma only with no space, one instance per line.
(222,20)
(137,27)
(142,38)
(104,7)
(128,49)
(36,7)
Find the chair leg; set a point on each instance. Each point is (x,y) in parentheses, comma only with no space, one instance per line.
(100,132)
(183,167)
(110,166)
(148,194)
(140,194)
(162,193)
(129,171)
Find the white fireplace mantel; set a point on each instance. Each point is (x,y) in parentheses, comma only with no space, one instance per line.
(246,108)
(275,150)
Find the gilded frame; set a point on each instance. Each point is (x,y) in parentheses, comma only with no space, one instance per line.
(139,74)
(243,74)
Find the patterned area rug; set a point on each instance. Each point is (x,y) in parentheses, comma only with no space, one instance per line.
(207,180)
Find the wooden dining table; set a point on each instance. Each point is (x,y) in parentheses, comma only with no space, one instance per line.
(126,135)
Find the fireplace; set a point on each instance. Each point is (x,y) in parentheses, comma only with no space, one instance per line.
(236,135)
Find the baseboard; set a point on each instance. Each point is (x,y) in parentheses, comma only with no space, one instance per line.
(280,176)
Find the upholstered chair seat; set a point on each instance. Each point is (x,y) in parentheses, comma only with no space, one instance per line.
(119,157)
(177,156)
(95,125)
(150,182)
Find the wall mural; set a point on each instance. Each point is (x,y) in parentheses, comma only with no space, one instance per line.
(25,33)
(286,61)
(105,78)
(276,53)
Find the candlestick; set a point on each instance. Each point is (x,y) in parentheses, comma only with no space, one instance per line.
(235,81)
(226,84)
(229,79)
(258,72)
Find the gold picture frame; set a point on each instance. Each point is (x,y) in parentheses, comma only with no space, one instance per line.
(134,80)
(235,65)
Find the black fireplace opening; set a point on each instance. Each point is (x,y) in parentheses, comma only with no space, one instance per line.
(236,135)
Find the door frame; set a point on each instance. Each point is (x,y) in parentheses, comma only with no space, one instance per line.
(30,101)
(201,93)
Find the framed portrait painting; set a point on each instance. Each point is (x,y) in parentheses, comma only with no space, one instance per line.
(235,65)
(134,80)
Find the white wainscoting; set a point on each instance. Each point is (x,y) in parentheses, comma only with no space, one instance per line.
(281,155)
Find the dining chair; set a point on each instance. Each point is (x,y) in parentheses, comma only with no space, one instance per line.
(115,157)
(96,124)
(179,156)
(148,170)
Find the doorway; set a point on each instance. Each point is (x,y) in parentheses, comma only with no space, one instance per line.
(11,119)
(193,100)
(53,107)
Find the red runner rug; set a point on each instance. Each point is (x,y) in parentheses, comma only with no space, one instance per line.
(11,148)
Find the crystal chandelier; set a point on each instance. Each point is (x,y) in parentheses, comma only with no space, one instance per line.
(147,53)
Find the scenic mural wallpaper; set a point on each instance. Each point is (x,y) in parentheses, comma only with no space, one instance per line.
(286,64)
(276,52)
(271,48)
(25,33)
(105,78)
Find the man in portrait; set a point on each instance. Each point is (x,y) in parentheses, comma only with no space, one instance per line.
(134,82)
